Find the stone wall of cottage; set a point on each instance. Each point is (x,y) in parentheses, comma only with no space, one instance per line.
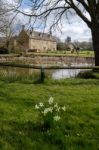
(42,45)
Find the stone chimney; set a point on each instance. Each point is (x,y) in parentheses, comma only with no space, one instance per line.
(31,31)
(40,35)
(50,34)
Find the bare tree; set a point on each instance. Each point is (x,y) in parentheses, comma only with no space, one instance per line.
(7,9)
(7,22)
(7,28)
(8,32)
(59,9)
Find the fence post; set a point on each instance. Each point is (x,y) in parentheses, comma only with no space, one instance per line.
(42,76)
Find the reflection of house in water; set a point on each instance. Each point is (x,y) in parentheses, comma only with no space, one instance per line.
(35,41)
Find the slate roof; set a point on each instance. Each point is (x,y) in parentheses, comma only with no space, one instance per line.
(41,36)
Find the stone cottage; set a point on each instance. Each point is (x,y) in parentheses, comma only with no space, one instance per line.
(30,40)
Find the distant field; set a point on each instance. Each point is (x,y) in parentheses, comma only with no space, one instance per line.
(18,119)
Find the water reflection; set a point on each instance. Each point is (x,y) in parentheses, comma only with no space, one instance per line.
(65,73)
(68,73)
(55,74)
(14,71)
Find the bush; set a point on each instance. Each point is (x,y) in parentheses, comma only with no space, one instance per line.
(61,46)
(86,75)
(4,50)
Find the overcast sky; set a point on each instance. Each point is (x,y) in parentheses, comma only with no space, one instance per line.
(77,30)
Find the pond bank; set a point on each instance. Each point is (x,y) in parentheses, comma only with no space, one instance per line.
(48,60)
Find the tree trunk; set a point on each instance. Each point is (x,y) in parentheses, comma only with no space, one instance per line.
(7,44)
(95,38)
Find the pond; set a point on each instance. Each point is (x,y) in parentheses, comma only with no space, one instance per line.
(68,73)
(55,74)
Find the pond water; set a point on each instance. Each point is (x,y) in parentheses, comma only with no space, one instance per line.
(68,73)
(55,74)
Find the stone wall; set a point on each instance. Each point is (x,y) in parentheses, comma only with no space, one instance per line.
(42,45)
(49,60)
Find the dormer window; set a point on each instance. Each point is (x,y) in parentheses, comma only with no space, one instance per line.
(30,32)
(40,35)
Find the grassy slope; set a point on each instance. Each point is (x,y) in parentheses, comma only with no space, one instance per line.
(81,120)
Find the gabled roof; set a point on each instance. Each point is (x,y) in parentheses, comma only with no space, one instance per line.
(40,36)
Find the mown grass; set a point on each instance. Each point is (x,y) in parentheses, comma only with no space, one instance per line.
(18,119)
(82,53)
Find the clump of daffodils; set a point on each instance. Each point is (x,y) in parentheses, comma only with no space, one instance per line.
(50,111)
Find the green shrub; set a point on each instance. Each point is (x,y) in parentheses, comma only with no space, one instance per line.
(86,75)
(4,50)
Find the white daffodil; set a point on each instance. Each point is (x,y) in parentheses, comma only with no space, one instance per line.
(56,105)
(50,109)
(57,118)
(46,110)
(64,108)
(58,109)
(41,104)
(50,101)
(36,106)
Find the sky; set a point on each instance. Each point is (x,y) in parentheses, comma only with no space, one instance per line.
(78,31)
(75,27)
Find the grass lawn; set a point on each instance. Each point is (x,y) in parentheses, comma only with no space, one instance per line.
(82,53)
(18,118)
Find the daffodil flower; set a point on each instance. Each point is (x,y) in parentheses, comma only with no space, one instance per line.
(57,118)
(64,108)
(41,104)
(51,99)
(36,106)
